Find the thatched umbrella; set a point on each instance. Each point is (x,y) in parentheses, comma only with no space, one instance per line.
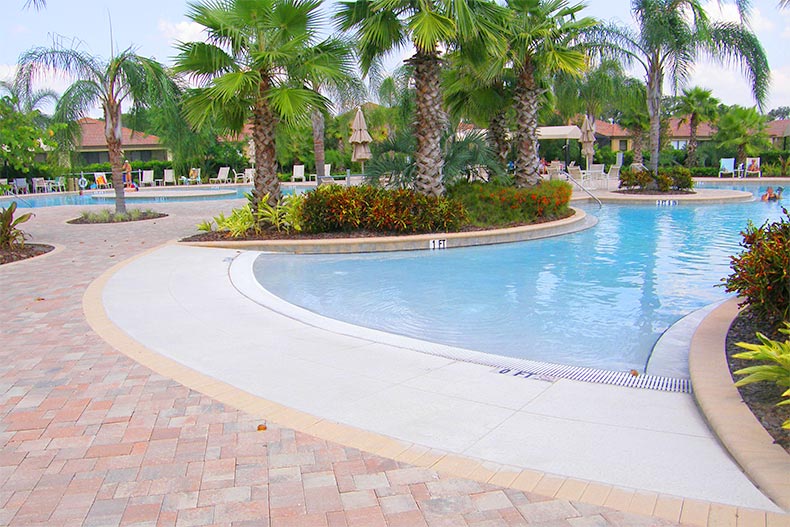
(588,140)
(360,140)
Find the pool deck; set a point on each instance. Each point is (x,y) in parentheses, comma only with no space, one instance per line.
(91,437)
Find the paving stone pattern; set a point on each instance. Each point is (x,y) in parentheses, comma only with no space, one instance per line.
(89,437)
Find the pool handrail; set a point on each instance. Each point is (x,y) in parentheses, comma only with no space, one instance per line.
(571,178)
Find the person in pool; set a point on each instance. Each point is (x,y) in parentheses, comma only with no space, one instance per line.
(770,195)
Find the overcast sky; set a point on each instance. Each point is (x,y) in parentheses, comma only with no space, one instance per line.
(151,27)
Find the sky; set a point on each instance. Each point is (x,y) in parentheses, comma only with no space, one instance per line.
(152,27)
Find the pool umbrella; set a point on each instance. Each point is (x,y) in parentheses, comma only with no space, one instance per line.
(587,140)
(360,139)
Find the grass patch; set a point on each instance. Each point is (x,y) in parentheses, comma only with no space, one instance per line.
(109,216)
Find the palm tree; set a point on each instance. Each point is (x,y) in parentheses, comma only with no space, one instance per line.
(28,103)
(590,94)
(696,106)
(382,26)
(124,78)
(633,115)
(541,42)
(253,67)
(670,35)
(742,129)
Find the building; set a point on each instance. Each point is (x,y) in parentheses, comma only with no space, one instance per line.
(137,146)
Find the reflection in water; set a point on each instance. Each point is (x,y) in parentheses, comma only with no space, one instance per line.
(598,298)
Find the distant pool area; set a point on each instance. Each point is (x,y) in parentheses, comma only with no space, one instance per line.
(599,298)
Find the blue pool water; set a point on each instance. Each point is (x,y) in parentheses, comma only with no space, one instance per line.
(598,298)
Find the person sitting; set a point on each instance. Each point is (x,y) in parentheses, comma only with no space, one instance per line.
(769,195)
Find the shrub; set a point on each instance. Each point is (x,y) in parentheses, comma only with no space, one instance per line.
(761,273)
(640,179)
(664,182)
(681,178)
(704,171)
(777,355)
(491,204)
(10,234)
(334,208)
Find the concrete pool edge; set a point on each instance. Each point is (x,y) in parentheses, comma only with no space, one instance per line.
(663,506)
(579,221)
(764,462)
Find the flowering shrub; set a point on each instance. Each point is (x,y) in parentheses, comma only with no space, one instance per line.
(490,204)
(673,178)
(761,273)
(333,208)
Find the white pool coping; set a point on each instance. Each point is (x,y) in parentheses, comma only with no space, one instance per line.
(181,302)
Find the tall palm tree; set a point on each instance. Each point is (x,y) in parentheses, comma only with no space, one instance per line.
(382,26)
(696,106)
(126,78)
(590,94)
(542,40)
(30,102)
(253,69)
(742,129)
(669,37)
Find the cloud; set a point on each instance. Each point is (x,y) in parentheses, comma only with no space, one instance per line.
(183,31)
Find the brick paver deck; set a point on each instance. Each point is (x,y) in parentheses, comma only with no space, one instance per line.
(90,437)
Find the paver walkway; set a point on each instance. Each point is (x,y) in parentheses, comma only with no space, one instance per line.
(89,437)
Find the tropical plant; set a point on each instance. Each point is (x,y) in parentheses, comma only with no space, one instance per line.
(10,234)
(542,40)
(382,26)
(761,273)
(634,116)
(20,137)
(592,94)
(28,103)
(124,78)
(742,130)
(252,69)
(777,369)
(669,36)
(695,107)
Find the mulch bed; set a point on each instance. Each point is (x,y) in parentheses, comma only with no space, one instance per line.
(761,397)
(142,217)
(29,250)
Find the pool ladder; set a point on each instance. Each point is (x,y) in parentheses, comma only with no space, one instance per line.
(571,178)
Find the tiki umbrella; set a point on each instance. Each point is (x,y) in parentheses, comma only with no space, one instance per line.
(360,140)
(587,140)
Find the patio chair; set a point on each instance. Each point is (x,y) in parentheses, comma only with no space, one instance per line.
(101,180)
(298,173)
(727,166)
(194,176)
(327,177)
(57,184)
(222,176)
(752,167)
(169,177)
(612,175)
(147,178)
(20,186)
(246,177)
(39,185)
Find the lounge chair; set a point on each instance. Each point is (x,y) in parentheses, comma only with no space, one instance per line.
(327,177)
(194,176)
(752,167)
(39,185)
(170,177)
(727,166)
(247,177)
(576,173)
(147,178)
(298,173)
(612,175)
(101,180)
(222,176)
(20,186)
(57,184)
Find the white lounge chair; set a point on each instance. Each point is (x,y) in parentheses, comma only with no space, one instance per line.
(752,167)
(194,176)
(222,176)
(101,180)
(327,177)
(20,186)
(169,177)
(246,177)
(39,185)
(57,184)
(298,173)
(727,166)
(612,175)
(147,178)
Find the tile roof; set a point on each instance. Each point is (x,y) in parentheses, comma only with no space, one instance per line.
(93,135)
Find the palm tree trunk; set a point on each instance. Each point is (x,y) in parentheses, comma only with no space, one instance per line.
(113,136)
(638,137)
(654,81)
(691,148)
(263,131)
(497,130)
(318,144)
(525,100)
(429,125)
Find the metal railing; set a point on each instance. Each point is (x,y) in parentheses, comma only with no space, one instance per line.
(593,196)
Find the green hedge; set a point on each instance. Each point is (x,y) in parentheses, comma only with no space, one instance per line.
(669,178)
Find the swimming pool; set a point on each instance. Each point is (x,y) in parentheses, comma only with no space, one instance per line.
(599,298)
(191,193)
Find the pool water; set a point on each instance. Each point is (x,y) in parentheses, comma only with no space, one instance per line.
(598,298)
